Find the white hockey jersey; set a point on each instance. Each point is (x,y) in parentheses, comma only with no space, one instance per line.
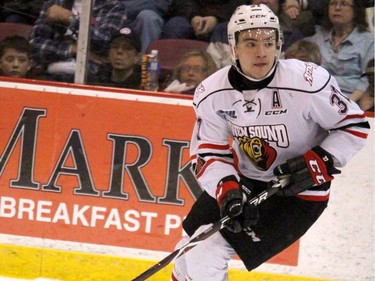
(246,128)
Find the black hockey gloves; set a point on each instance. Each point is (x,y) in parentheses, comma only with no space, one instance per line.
(233,201)
(315,167)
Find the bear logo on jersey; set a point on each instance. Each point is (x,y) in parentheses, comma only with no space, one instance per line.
(261,154)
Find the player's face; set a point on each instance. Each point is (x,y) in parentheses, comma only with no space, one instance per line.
(14,63)
(256,50)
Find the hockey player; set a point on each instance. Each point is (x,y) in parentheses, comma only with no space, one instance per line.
(284,118)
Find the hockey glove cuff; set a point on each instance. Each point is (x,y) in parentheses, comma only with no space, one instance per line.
(235,204)
(229,197)
(313,168)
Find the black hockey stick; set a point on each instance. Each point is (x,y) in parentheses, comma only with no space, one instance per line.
(274,187)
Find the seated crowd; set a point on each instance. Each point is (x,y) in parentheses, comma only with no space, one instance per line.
(335,34)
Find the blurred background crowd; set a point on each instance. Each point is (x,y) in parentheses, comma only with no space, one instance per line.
(39,40)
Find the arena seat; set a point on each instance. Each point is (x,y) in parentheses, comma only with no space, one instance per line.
(10,28)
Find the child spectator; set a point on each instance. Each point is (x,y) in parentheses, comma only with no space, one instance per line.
(15,54)
(123,55)
(192,69)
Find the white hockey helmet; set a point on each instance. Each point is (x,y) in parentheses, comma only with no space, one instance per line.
(251,17)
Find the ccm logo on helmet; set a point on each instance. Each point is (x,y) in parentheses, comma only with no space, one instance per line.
(257,16)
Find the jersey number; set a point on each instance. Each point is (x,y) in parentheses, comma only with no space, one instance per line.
(337,99)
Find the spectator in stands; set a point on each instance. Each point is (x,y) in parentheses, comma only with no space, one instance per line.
(146,18)
(192,69)
(345,44)
(123,55)
(54,35)
(305,51)
(203,20)
(15,54)
(195,19)
(306,14)
(296,10)
(366,101)
(21,11)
